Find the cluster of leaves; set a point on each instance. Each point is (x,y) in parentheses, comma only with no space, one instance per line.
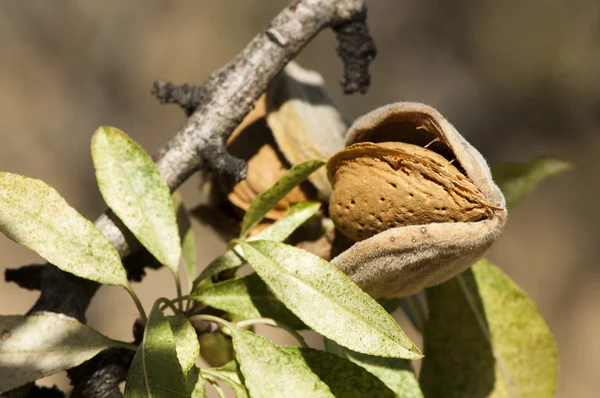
(483,336)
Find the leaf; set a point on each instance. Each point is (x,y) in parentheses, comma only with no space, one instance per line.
(485,338)
(326,300)
(343,378)
(249,298)
(278,232)
(268,199)
(42,344)
(269,371)
(155,369)
(34,215)
(133,187)
(187,236)
(186,341)
(516,180)
(230,373)
(195,383)
(395,373)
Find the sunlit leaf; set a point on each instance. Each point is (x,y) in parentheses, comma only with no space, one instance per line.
(186,341)
(196,385)
(155,369)
(516,180)
(269,371)
(249,298)
(326,300)
(485,338)
(395,373)
(133,187)
(35,346)
(268,199)
(34,215)
(344,378)
(278,232)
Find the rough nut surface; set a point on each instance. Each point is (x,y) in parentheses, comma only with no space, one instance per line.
(392,184)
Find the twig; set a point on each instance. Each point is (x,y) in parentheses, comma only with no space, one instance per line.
(225,98)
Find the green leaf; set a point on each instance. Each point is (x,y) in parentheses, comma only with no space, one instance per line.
(270,371)
(34,215)
(249,298)
(516,180)
(155,369)
(186,341)
(484,338)
(326,300)
(133,187)
(343,378)
(278,232)
(395,373)
(195,383)
(268,199)
(42,344)
(230,373)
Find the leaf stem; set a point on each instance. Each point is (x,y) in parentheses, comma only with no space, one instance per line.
(217,388)
(137,302)
(211,318)
(178,286)
(123,344)
(271,322)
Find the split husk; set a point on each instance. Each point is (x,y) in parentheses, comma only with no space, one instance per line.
(440,210)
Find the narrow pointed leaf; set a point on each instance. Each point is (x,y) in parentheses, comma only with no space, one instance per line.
(516,180)
(39,345)
(344,378)
(268,199)
(395,373)
(133,187)
(326,300)
(278,232)
(155,370)
(269,371)
(486,338)
(186,341)
(34,215)
(195,383)
(249,298)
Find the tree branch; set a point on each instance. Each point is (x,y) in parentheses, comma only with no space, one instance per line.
(218,106)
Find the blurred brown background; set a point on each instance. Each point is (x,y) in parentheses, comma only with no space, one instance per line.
(518,78)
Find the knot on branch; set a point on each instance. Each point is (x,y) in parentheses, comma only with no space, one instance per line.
(216,158)
(28,276)
(187,96)
(356,49)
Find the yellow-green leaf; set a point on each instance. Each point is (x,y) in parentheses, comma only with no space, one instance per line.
(485,338)
(269,371)
(278,232)
(395,373)
(268,199)
(155,370)
(133,187)
(326,300)
(344,378)
(249,298)
(34,215)
(186,341)
(516,180)
(39,345)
